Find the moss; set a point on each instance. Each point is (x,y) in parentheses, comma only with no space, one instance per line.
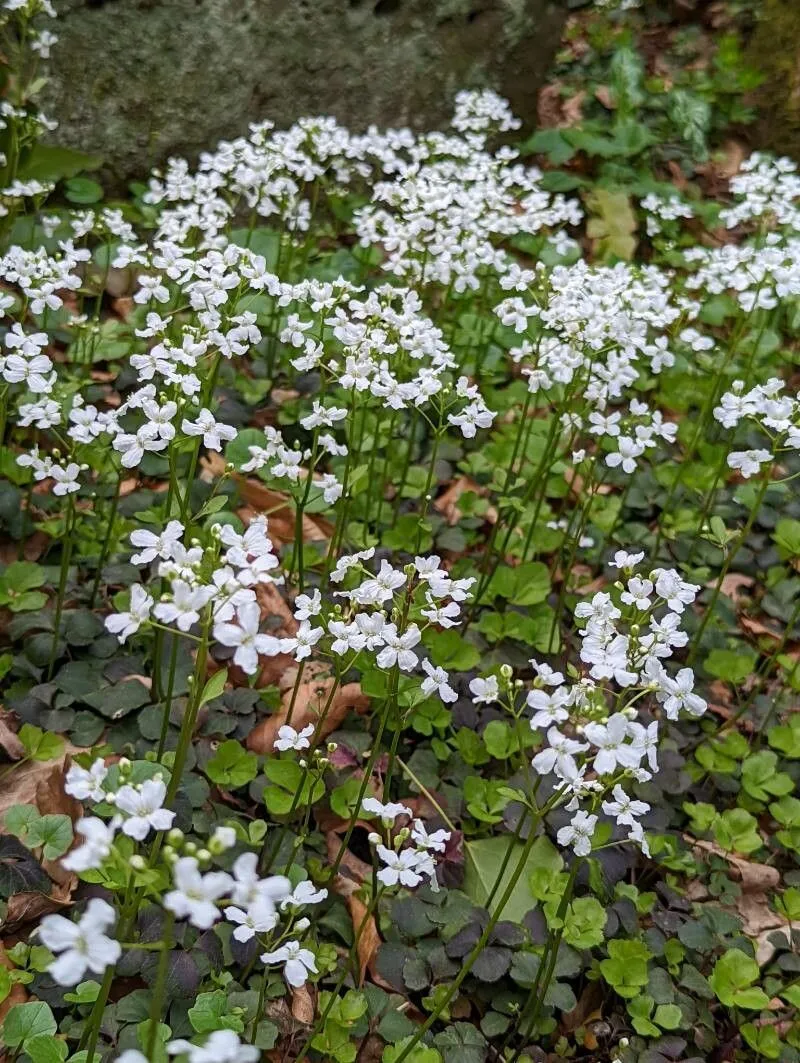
(139,80)
(774,51)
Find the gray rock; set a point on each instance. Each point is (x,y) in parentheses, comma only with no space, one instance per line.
(135,81)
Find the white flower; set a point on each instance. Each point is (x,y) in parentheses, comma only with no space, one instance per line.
(436,841)
(748,462)
(388,812)
(304,892)
(83,945)
(187,601)
(625,810)
(560,756)
(438,683)
(221,1046)
(609,739)
(194,894)
(678,694)
(259,918)
(247,638)
(66,479)
(222,839)
(247,887)
(143,805)
(212,431)
(153,546)
(86,785)
(484,691)
(578,833)
(97,846)
(128,623)
(305,639)
(400,867)
(398,648)
(297,962)
(288,738)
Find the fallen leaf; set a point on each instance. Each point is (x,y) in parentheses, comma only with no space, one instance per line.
(313,704)
(732,584)
(19,786)
(26,908)
(366,934)
(756,628)
(277,506)
(587,1008)
(352,873)
(447,502)
(604,94)
(8,738)
(753,877)
(303,1007)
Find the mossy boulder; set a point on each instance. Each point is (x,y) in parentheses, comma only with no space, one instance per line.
(138,80)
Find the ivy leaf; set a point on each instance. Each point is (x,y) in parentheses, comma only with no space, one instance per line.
(44,1048)
(24,1022)
(732,981)
(40,745)
(53,833)
(232,765)
(210,1012)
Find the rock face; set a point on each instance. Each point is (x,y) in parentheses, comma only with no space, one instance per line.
(135,81)
(774,51)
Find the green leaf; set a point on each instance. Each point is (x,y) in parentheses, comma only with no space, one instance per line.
(732,977)
(732,666)
(549,142)
(22,576)
(26,1021)
(18,819)
(737,831)
(763,1040)
(210,1012)
(232,765)
(53,833)
(612,224)
(500,740)
(214,687)
(46,1049)
(484,859)
(450,650)
(49,163)
(83,190)
(584,923)
(668,1016)
(40,745)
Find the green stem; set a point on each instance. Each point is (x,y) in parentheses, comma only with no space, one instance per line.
(66,554)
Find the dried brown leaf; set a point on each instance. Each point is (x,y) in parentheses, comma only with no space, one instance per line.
(313,704)
(447,502)
(9,742)
(26,908)
(303,1006)
(20,785)
(366,935)
(754,878)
